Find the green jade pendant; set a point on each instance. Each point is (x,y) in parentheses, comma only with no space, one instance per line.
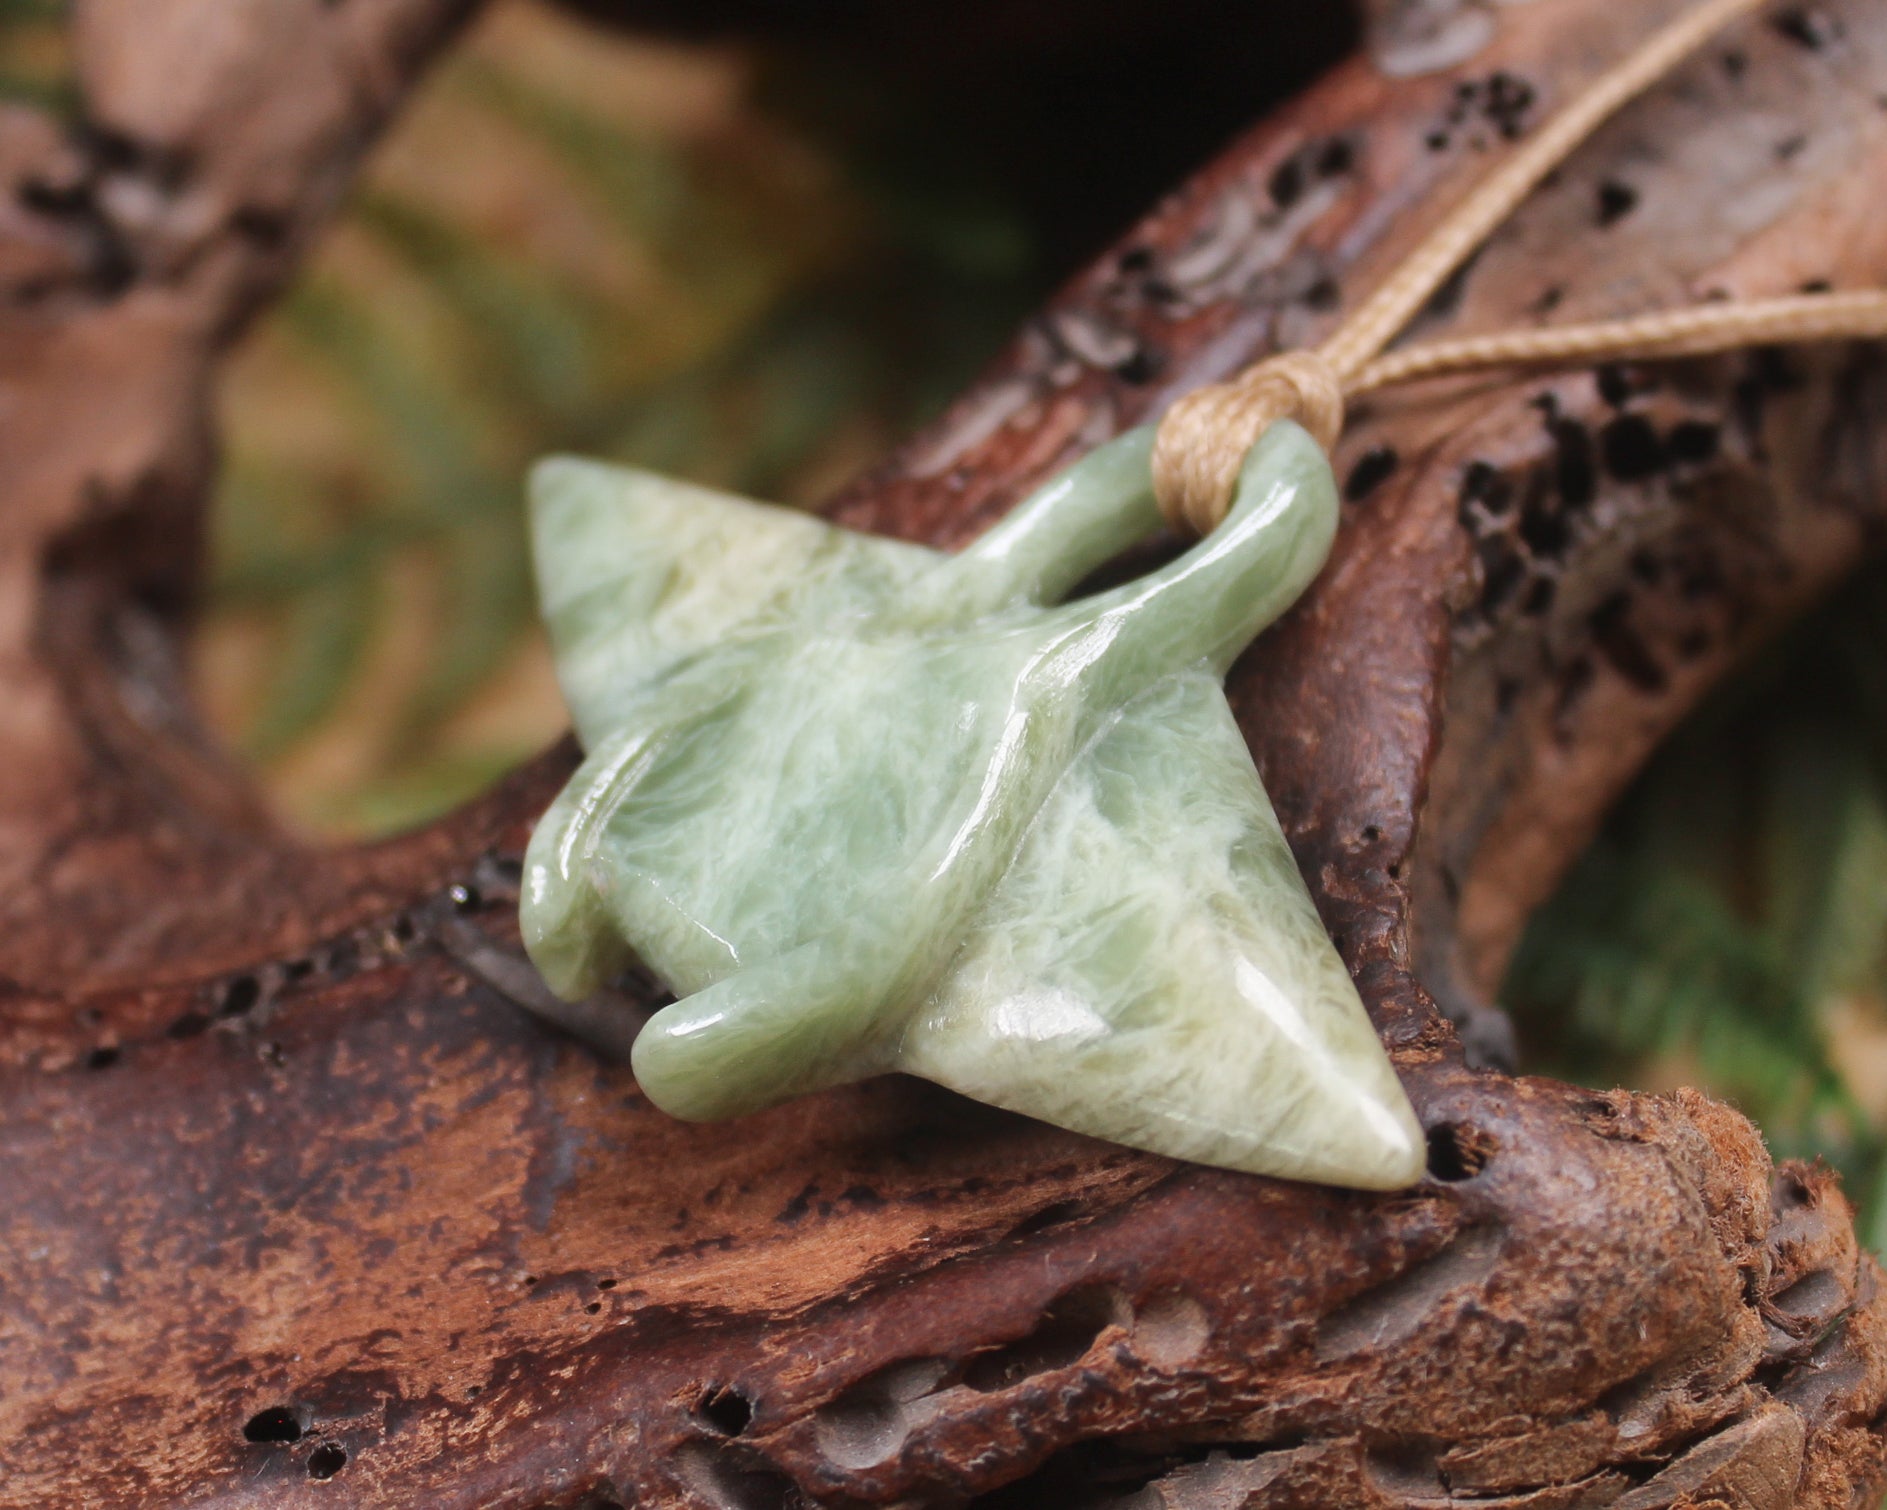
(866,806)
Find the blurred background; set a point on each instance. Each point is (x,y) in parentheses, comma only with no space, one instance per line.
(758,267)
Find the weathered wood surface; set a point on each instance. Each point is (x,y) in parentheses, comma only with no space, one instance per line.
(280,1152)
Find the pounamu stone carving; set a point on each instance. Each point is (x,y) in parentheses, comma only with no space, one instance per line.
(866,806)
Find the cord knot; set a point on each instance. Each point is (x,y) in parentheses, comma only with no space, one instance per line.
(1204,437)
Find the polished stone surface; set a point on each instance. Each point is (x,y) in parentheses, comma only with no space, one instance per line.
(865,807)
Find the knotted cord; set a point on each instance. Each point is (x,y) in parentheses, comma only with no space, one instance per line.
(1204,437)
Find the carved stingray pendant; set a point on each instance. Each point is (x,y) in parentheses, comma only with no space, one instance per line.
(865,806)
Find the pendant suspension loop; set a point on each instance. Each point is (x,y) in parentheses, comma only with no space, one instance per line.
(1204,437)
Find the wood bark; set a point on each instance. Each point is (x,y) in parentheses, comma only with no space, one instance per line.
(302,1209)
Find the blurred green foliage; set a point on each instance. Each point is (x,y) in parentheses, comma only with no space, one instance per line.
(1729,926)
(34,66)
(705,287)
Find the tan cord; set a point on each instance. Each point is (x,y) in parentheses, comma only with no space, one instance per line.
(1859,314)
(1204,437)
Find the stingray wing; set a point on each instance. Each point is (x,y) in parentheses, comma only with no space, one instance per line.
(637,572)
(1152,970)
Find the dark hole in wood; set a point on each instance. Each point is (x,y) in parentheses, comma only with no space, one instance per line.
(1052,1215)
(54,199)
(1323,295)
(1544,529)
(1693,441)
(1808,26)
(1616,201)
(1372,469)
(1631,448)
(239,996)
(1790,1191)
(1509,98)
(1457,1151)
(1142,367)
(1287,183)
(102,1058)
(326,1460)
(1574,469)
(726,1409)
(1487,486)
(279,1423)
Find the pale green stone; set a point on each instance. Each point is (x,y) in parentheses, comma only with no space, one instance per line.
(865,807)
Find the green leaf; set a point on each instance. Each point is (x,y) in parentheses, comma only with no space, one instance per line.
(324,633)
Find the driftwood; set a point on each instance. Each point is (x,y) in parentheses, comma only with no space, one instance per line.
(301,1209)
